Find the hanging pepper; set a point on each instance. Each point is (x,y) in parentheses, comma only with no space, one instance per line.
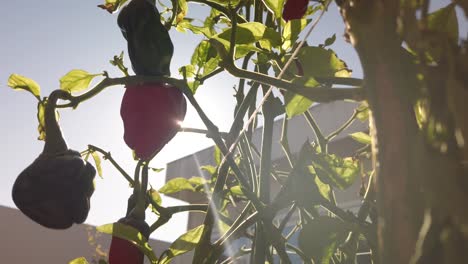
(55,189)
(151,114)
(123,251)
(149,45)
(294,9)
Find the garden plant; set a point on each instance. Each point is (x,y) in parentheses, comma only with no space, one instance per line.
(414,96)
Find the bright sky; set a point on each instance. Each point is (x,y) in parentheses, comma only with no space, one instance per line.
(44,40)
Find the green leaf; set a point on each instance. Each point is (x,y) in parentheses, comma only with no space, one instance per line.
(274,6)
(250,33)
(334,170)
(323,188)
(155,196)
(236,190)
(40,118)
(157,169)
(329,41)
(361,137)
(196,181)
(76,80)
(81,260)
(321,62)
(297,104)
(291,32)
(185,24)
(212,170)
(176,185)
(19,82)
(320,237)
(182,10)
(363,111)
(130,234)
(444,21)
(218,156)
(204,61)
(183,244)
(301,185)
(97,161)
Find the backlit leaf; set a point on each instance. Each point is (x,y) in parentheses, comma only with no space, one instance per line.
(361,137)
(81,260)
(40,118)
(155,196)
(130,234)
(19,82)
(291,32)
(76,80)
(321,62)
(334,170)
(320,237)
(176,185)
(97,162)
(275,7)
(297,104)
(183,244)
(250,33)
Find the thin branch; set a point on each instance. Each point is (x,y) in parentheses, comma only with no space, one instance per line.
(343,127)
(209,75)
(317,94)
(318,132)
(201,131)
(108,156)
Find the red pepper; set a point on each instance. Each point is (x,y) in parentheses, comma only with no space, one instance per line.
(124,252)
(151,114)
(294,9)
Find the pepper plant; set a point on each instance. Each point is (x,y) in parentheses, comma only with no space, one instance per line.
(413,93)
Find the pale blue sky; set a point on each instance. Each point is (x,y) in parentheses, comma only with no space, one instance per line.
(45,39)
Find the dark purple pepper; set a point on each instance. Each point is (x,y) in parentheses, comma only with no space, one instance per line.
(149,45)
(55,189)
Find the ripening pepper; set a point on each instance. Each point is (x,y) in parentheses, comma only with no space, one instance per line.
(294,9)
(151,115)
(149,45)
(55,189)
(124,252)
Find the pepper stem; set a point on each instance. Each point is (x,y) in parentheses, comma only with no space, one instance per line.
(54,141)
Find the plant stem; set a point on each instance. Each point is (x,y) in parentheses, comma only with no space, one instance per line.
(343,127)
(108,156)
(318,94)
(322,142)
(285,142)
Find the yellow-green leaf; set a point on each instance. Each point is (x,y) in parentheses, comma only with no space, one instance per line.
(297,104)
(155,196)
(323,188)
(176,185)
(274,6)
(97,162)
(41,120)
(183,244)
(130,234)
(361,137)
(19,82)
(81,260)
(76,80)
(291,32)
